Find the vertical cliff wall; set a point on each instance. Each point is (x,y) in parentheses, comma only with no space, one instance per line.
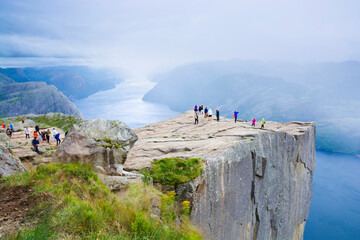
(256,183)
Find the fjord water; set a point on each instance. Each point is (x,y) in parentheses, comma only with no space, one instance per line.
(335,206)
(125,103)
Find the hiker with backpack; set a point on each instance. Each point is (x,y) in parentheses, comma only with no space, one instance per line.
(58,141)
(262,123)
(236,115)
(253,122)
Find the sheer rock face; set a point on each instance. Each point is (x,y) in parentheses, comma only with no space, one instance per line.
(256,183)
(99,142)
(8,163)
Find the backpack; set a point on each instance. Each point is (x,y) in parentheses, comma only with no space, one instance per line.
(234,115)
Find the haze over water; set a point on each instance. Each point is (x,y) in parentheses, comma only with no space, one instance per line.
(124,103)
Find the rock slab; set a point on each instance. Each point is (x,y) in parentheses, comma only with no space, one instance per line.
(256,183)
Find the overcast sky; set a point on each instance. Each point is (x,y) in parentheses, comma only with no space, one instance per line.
(149,35)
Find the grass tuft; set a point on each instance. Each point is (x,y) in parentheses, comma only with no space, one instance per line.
(173,171)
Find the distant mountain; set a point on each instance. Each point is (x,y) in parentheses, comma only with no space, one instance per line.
(325,92)
(75,82)
(33,97)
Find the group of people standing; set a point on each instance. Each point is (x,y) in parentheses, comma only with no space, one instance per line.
(45,136)
(208,114)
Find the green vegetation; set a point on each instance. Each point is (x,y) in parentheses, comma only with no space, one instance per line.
(61,121)
(173,171)
(79,206)
(109,143)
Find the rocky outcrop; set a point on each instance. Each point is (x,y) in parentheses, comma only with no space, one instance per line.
(8,163)
(34,97)
(256,184)
(102,143)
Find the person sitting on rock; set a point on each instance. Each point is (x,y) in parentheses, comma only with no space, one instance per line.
(35,144)
(27,133)
(8,132)
(58,141)
(253,122)
(262,123)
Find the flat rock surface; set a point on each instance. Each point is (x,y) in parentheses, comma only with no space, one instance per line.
(180,137)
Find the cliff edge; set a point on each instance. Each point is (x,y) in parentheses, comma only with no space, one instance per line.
(256,183)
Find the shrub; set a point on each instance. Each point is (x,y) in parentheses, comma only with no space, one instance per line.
(173,171)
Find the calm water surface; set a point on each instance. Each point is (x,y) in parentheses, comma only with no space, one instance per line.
(335,207)
(124,103)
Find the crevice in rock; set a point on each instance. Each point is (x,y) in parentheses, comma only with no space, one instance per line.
(256,225)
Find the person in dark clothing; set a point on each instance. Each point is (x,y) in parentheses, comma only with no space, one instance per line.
(196,119)
(66,133)
(58,141)
(48,135)
(37,128)
(35,143)
(43,135)
(201,108)
(236,115)
(217,115)
(8,132)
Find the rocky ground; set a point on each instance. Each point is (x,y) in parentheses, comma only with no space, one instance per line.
(22,148)
(180,137)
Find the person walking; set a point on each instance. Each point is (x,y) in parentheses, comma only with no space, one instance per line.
(48,135)
(210,115)
(196,109)
(58,141)
(196,119)
(35,144)
(27,133)
(253,122)
(37,128)
(236,115)
(262,123)
(11,127)
(217,114)
(54,133)
(206,112)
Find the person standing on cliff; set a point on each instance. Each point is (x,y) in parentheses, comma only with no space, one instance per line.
(206,112)
(58,141)
(236,115)
(196,109)
(196,119)
(27,133)
(48,135)
(262,123)
(37,128)
(253,122)
(210,115)
(11,127)
(217,114)
(54,133)
(35,143)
